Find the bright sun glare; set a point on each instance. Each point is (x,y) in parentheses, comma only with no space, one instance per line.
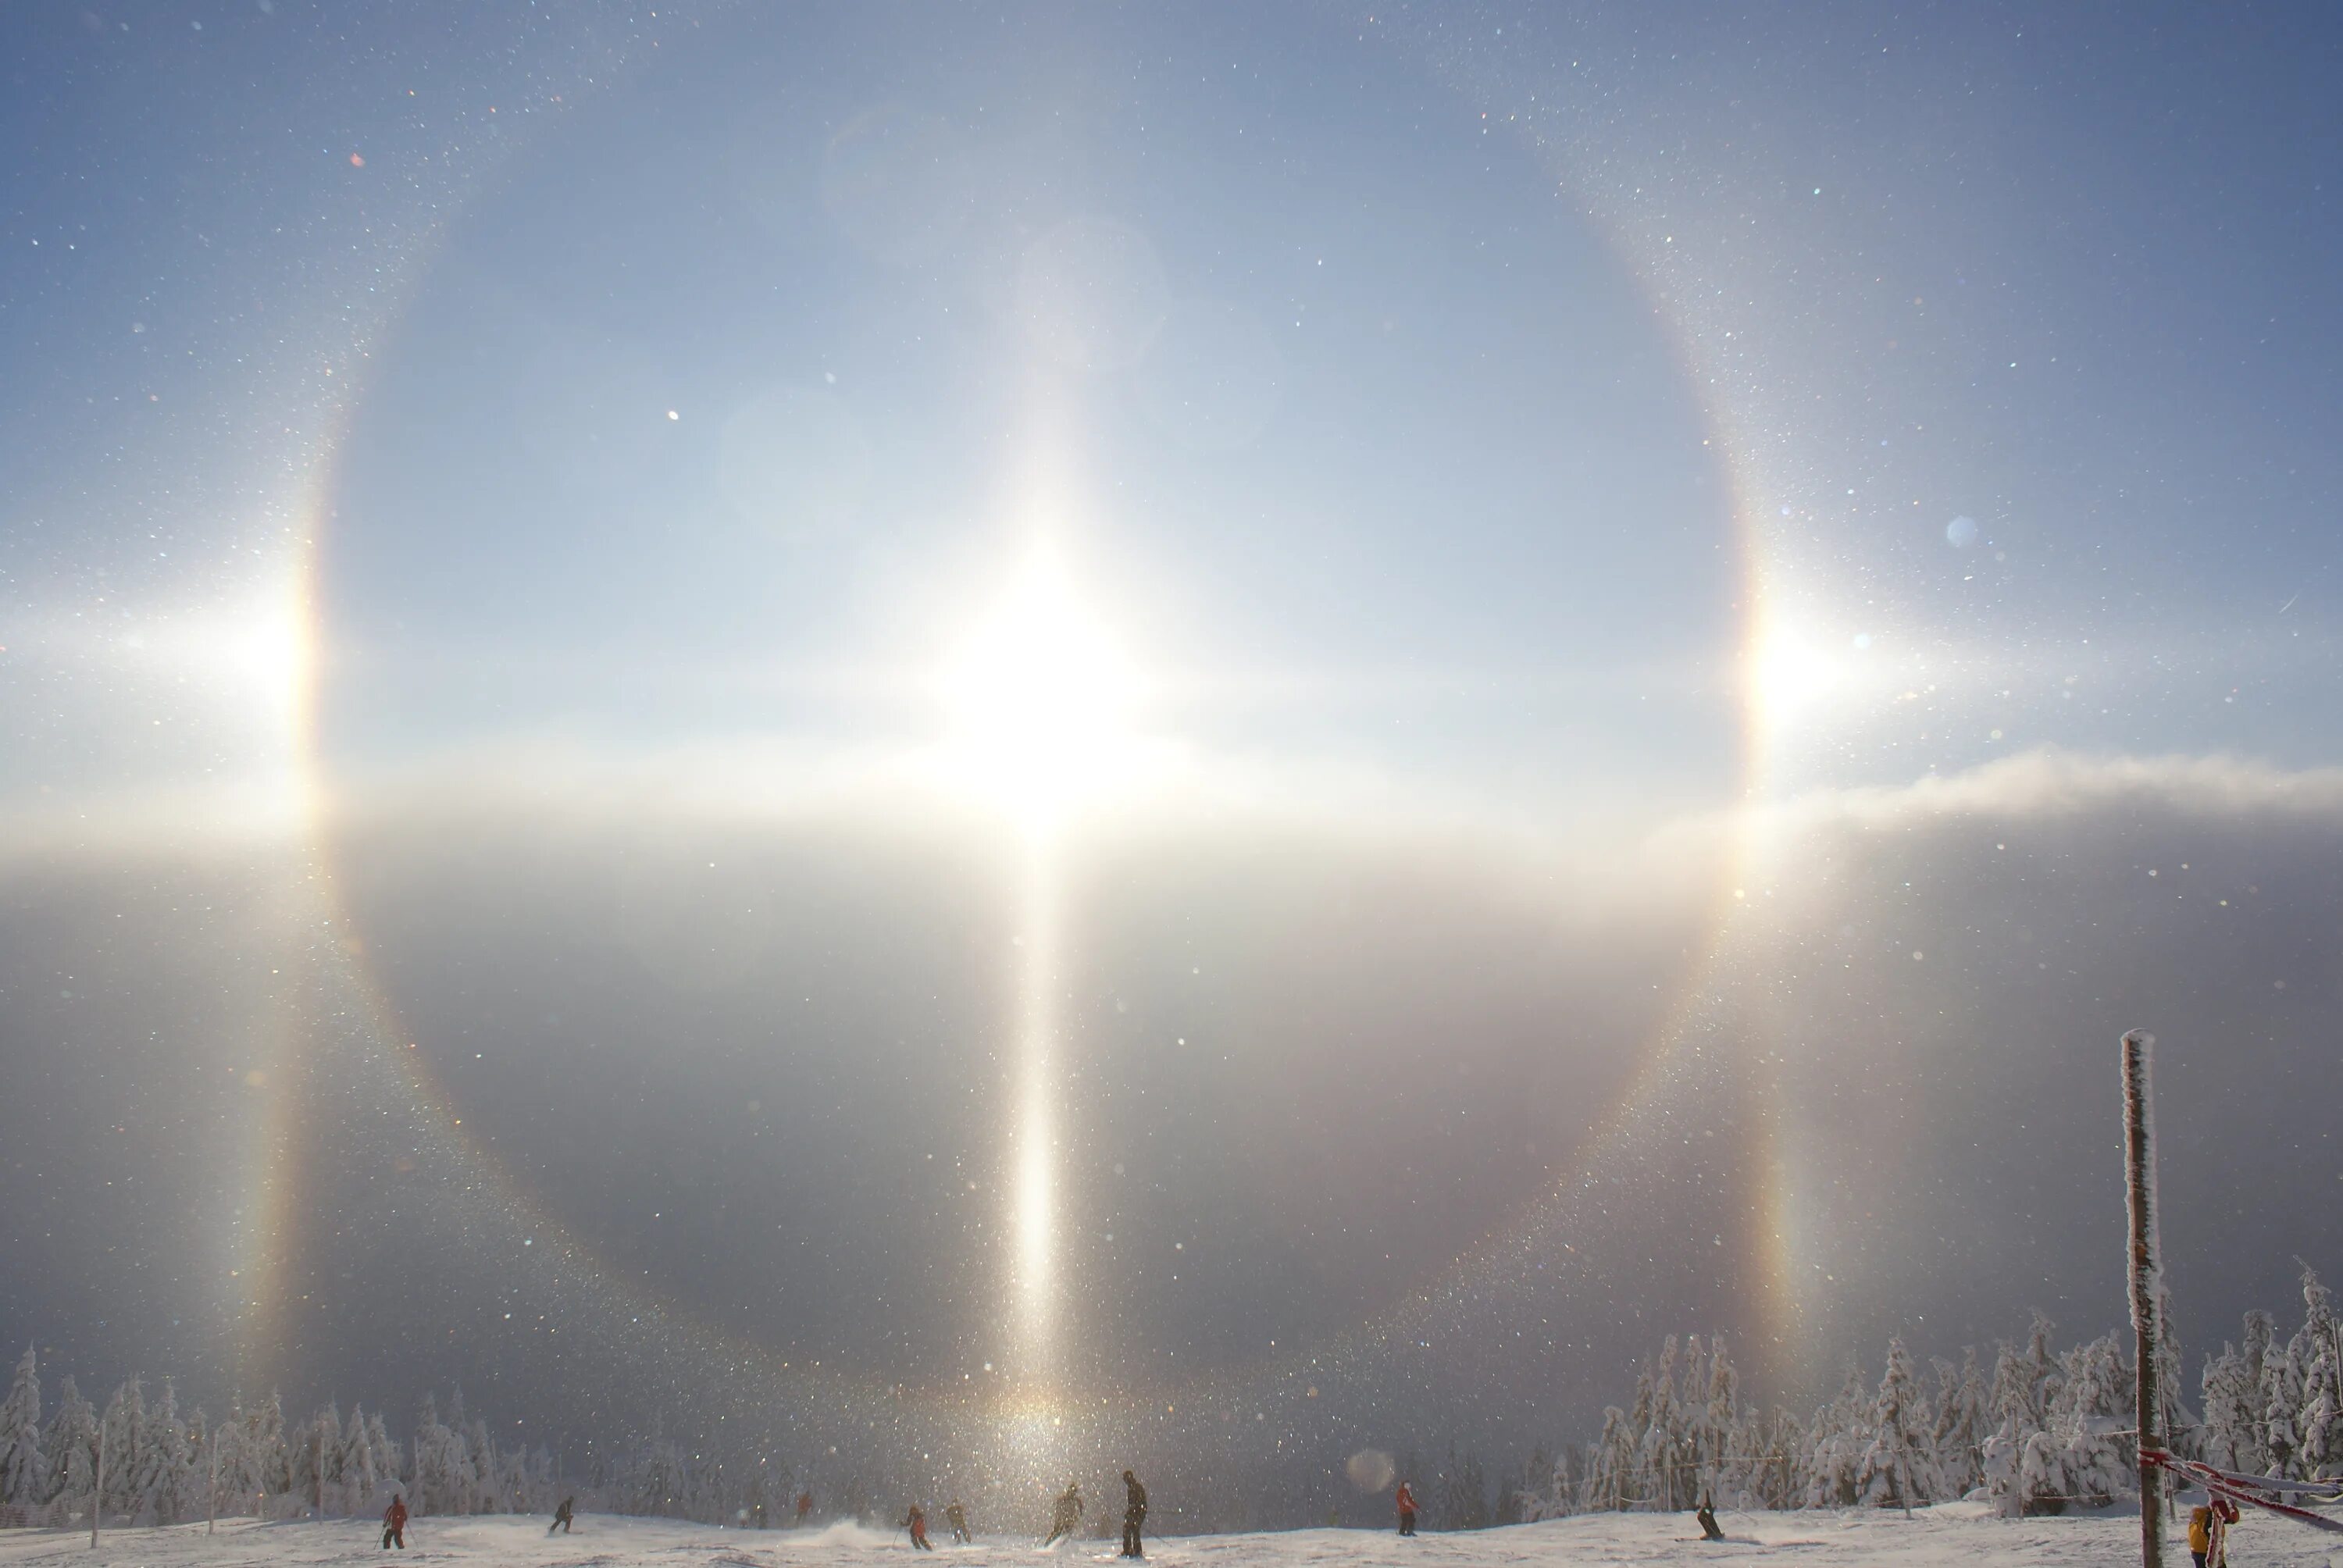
(1040,699)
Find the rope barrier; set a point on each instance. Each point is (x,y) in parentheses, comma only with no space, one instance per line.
(2261,1490)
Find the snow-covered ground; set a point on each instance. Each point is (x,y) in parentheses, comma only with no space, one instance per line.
(1959,1533)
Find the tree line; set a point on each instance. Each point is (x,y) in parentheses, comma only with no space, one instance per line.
(2037,1431)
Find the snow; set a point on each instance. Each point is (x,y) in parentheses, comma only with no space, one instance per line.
(1962,1533)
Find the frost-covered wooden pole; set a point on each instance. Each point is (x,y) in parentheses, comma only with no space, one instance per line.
(2146,1274)
(97,1491)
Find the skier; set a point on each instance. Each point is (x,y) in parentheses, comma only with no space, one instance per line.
(1134,1513)
(1065,1513)
(394,1523)
(1406,1498)
(917,1524)
(1707,1517)
(561,1516)
(957,1517)
(805,1506)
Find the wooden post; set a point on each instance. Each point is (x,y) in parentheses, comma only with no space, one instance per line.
(2147,1275)
(97,1490)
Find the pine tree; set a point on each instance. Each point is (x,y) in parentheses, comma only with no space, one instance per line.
(387,1460)
(1720,1422)
(2320,1424)
(1962,1403)
(2283,1379)
(355,1461)
(1663,1435)
(434,1477)
(1834,1449)
(71,1448)
(194,1500)
(157,1460)
(125,1423)
(1610,1484)
(24,1468)
(264,1465)
(1898,1467)
(2222,1389)
(2092,1408)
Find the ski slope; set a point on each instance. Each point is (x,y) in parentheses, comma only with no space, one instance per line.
(1962,1533)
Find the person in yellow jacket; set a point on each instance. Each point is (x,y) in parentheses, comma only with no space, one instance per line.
(2208,1531)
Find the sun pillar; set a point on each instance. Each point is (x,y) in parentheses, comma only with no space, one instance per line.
(1039,986)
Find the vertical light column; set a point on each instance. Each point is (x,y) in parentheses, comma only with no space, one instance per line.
(1040,984)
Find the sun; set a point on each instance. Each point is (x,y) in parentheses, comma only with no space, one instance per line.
(1040,699)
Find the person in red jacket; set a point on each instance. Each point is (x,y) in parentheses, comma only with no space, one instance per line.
(805,1506)
(917,1524)
(1406,1500)
(394,1523)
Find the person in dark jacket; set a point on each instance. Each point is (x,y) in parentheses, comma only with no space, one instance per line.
(957,1517)
(1065,1513)
(1134,1513)
(394,1523)
(561,1516)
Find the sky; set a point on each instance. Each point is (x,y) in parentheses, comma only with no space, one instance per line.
(943,724)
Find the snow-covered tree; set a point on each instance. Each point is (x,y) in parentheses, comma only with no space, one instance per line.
(264,1468)
(124,1431)
(437,1474)
(2231,1390)
(1898,1465)
(2319,1350)
(1833,1461)
(354,1463)
(23,1467)
(388,1459)
(1722,1467)
(2093,1406)
(1609,1485)
(158,1463)
(1962,1423)
(70,1448)
(194,1499)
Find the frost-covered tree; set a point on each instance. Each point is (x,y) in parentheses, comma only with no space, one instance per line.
(436,1478)
(2026,1381)
(123,1427)
(388,1459)
(158,1463)
(194,1478)
(2092,1409)
(1963,1400)
(482,1448)
(2283,1382)
(264,1467)
(70,1447)
(23,1467)
(2231,1389)
(1835,1446)
(353,1462)
(1610,1475)
(2319,1350)
(1723,1468)
(1661,1455)
(1898,1466)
